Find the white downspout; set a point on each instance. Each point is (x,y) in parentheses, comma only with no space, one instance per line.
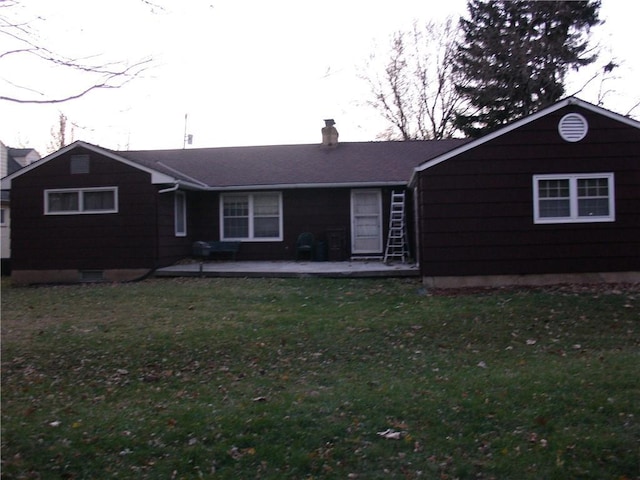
(170,189)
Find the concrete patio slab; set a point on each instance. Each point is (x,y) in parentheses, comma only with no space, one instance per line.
(283,269)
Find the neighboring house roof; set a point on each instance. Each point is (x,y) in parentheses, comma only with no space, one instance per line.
(20,152)
(13,159)
(358,163)
(12,165)
(20,157)
(519,123)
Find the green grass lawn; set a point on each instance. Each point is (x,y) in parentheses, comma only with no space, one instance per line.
(318,378)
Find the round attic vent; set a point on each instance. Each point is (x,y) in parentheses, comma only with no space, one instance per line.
(573,127)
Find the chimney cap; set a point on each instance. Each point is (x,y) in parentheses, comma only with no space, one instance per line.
(329,122)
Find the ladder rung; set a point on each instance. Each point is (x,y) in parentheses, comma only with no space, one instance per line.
(396,241)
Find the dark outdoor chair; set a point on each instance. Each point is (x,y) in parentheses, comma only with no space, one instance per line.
(304,245)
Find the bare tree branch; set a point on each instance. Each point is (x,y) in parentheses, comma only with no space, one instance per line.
(123,76)
(628,114)
(98,75)
(11,52)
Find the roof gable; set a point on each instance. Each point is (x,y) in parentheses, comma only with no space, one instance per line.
(524,121)
(156,177)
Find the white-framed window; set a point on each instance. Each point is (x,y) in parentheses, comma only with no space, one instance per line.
(73,201)
(3,217)
(251,216)
(573,198)
(180,214)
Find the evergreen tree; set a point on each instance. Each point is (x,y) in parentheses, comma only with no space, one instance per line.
(515,56)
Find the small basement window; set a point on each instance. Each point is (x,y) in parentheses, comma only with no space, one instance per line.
(71,201)
(576,198)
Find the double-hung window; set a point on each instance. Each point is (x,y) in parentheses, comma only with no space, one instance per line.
(71,201)
(576,198)
(251,216)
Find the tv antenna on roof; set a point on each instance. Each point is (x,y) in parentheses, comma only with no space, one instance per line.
(187,138)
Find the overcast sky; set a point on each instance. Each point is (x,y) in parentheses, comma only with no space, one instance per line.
(247,72)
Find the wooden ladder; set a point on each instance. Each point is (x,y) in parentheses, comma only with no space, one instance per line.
(397,247)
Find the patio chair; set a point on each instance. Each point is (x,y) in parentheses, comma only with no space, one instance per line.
(304,245)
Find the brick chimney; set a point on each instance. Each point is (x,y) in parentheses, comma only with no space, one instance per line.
(329,133)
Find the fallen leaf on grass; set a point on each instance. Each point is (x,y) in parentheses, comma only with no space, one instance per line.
(391,434)
(237,453)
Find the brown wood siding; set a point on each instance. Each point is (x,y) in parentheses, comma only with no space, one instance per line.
(125,240)
(477,209)
(304,210)
(315,210)
(172,248)
(204,216)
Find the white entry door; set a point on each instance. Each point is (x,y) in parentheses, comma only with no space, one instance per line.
(366,221)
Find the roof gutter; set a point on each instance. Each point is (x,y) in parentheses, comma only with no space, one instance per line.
(283,186)
(412,180)
(170,189)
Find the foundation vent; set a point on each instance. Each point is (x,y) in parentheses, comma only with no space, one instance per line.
(90,276)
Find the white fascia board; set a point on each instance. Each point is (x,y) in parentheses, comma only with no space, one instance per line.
(520,123)
(290,186)
(604,112)
(156,177)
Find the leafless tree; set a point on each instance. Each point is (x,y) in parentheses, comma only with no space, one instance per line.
(414,91)
(62,133)
(22,41)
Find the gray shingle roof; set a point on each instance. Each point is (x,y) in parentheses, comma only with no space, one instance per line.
(282,165)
